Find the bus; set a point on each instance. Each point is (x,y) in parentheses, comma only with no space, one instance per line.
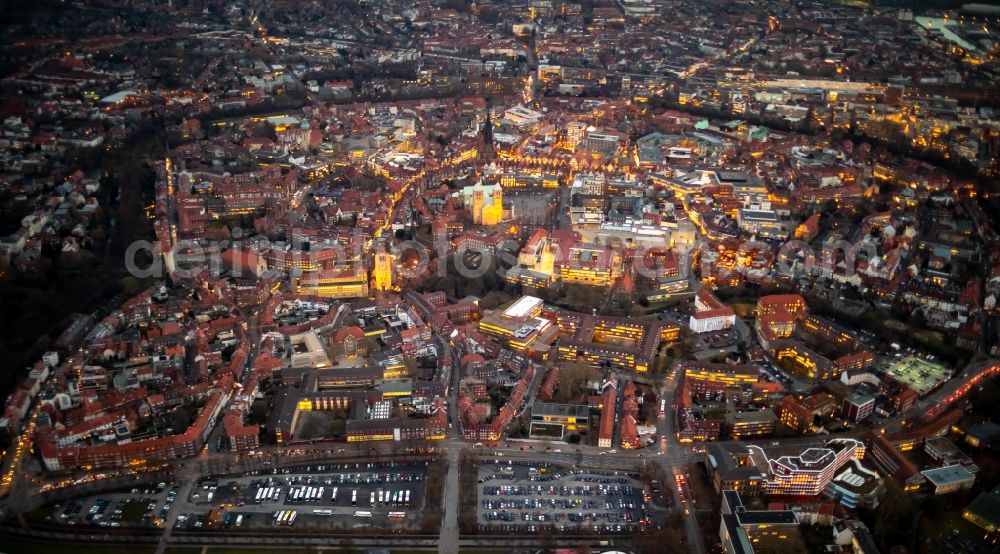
(334,494)
(397,515)
(260,493)
(407,501)
(354,497)
(362,514)
(239,520)
(322,512)
(371,499)
(663,407)
(319,493)
(395,497)
(381,497)
(291,518)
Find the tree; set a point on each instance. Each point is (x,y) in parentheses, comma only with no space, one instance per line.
(669,540)
(893,515)
(572,379)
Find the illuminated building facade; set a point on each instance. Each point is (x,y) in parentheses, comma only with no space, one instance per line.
(984,511)
(774,303)
(348,389)
(711,314)
(307,351)
(793,415)
(858,406)
(591,265)
(397,429)
(805,360)
(745,531)
(741,425)
(520,327)
(547,419)
(487,213)
(382,271)
(484,202)
(706,376)
(137,453)
(949,479)
(809,473)
(312,260)
(335,283)
(731,467)
(619,342)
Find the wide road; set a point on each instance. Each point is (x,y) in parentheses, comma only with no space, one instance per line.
(448,542)
(674,457)
(184,494)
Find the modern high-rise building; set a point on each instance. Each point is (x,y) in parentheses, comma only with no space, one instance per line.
(809,473)
(748,469)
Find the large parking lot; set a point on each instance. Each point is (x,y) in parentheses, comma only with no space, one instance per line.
(144,506)
(322,496)
(527,499)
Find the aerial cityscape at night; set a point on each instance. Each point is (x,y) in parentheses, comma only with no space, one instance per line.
(500,276)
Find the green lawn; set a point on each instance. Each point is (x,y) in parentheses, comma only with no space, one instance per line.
(256,550)
(37,516)
(27,546)
(133,512)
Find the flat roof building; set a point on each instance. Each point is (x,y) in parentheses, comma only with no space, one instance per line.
(750,424)
(547,419)
(809,473)
(744,531)
(984,511)
(920,375)
(948,479)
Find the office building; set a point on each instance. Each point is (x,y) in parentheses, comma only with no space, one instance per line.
(711,314)
(984,511)
(809,473)
(949,479)
(553,420)
(745,531)
(703,377)
(520,327)
(742,425)
(858,406)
